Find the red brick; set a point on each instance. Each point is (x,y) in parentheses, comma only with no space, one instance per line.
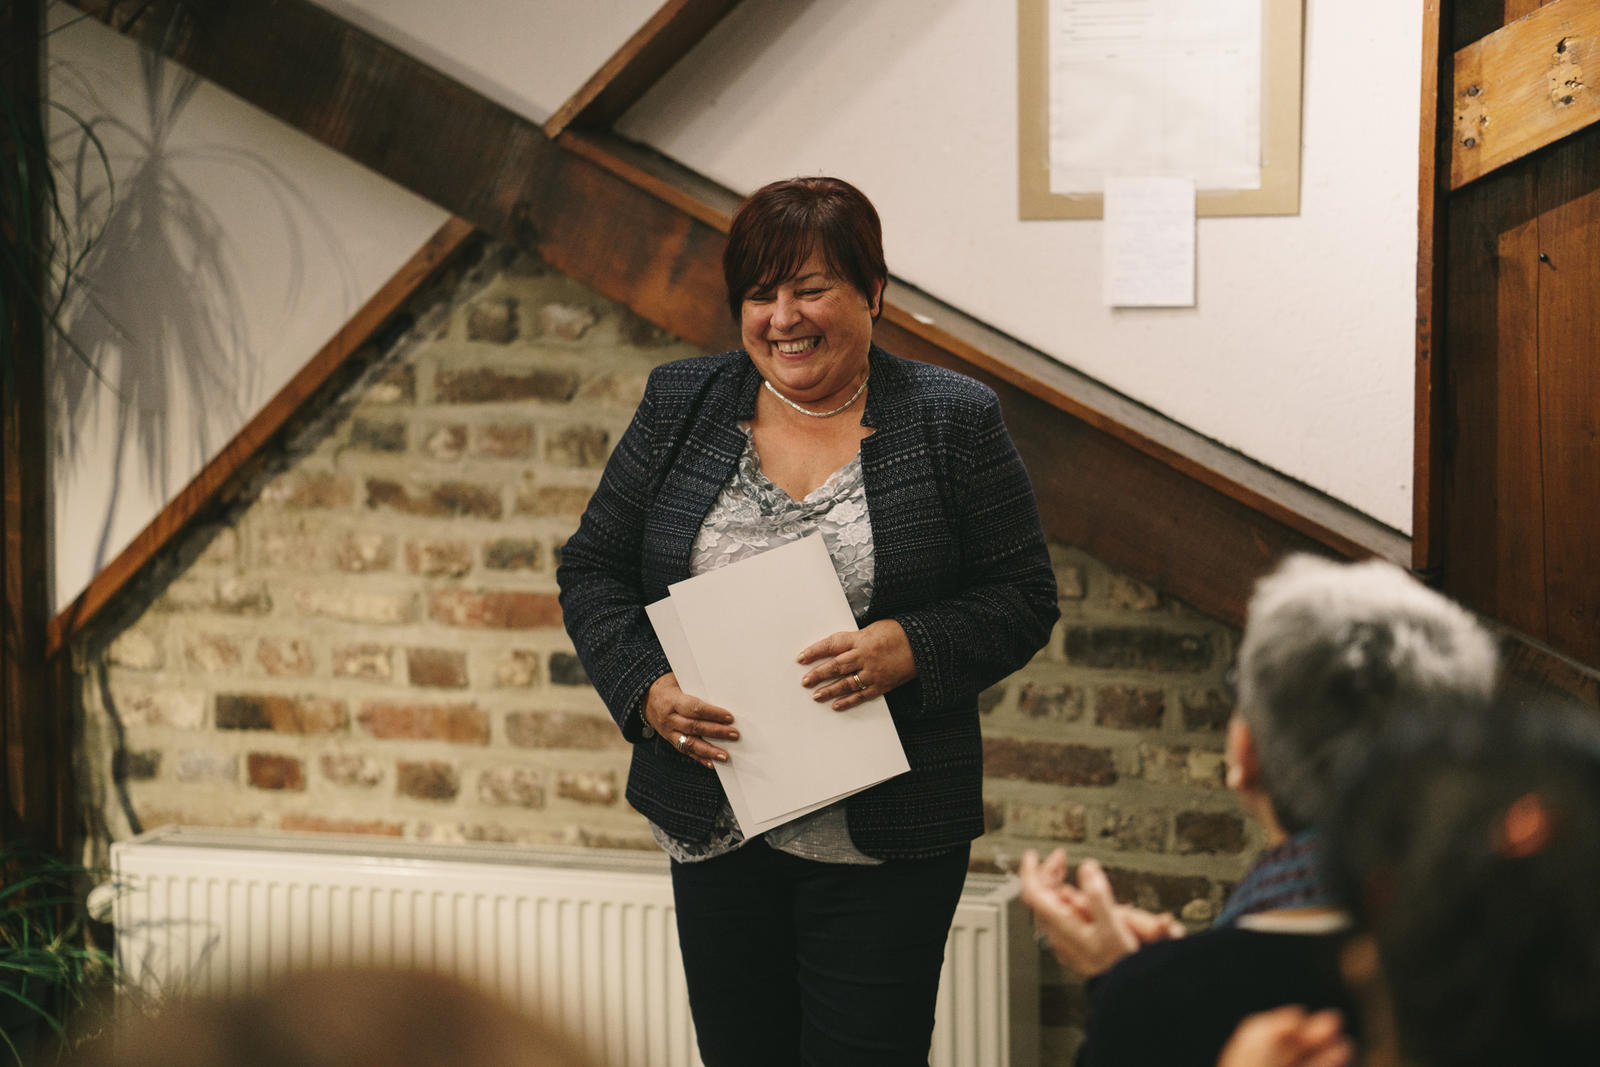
(398,386)
(505,441)
(493,319)
(559,729)
(1125,594)
(319,824)
(437,558)
(235,596)
(450,499)
(1054,701)
(446,442)
(485,386)
(1055,822)
(267,771)
(496,610)
(462,723)
(437,668)
(351,771)
(1140,830)
(1182,765)
(1205,709)
(561,501)
(308,489)
(359,552)
(290,715)
(588,787)
(567,669)
(200,765)
(568,322)
(137,649)
(1159,892)
(512,554)
(212,653)
(1129,708)
(1210,832)
(1137,648)
(370,661)
(517,669)
(285,656)
(1048,761)
(427,781)
(511,787)
(136,766)
(578,446)
(377,435)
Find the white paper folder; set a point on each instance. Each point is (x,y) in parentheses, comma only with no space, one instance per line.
(731,636)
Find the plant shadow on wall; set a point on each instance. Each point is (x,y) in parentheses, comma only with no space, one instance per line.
(157,369)
(153,363)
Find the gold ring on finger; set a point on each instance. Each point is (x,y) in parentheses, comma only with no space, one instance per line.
(861,687)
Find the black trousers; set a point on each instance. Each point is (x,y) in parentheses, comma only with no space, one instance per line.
(790,961)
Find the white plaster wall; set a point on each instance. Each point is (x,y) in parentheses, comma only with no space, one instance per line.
(527,55)
(1299,352)
(239,248)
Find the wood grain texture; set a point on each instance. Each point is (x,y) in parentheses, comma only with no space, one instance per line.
(1568,328)
(1113,478)
(34,724)
(1432,148)
(1525,86)
(641,61)
(238,458)
(1494,506)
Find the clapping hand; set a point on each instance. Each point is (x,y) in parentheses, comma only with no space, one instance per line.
(1288,1037)
(1083,924)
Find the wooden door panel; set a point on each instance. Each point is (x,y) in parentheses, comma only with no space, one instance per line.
(1491,442)
(1568,179)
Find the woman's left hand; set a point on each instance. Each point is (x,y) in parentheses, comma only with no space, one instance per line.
(856,665)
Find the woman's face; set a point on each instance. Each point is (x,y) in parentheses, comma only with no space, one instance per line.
(809,334)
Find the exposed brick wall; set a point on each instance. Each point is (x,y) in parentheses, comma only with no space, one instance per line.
(372,642)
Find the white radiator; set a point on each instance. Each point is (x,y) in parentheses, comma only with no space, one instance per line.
(584,937)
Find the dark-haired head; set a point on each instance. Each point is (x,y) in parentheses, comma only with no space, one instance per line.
(782,223)
(1467,853)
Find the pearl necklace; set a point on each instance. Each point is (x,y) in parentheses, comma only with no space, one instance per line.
(822,414)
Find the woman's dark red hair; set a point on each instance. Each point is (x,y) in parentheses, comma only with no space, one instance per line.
(783,222)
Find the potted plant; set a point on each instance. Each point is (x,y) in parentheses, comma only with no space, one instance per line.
(51,978)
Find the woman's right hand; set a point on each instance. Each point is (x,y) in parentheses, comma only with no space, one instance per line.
(688,722)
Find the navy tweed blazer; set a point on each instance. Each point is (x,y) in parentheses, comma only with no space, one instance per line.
(960,563)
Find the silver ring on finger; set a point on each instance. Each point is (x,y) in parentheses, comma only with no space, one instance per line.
(861,687)
(683,742)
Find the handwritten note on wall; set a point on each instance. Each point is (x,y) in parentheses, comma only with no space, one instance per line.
(1149,242)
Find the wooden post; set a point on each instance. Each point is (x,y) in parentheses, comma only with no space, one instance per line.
(32,731)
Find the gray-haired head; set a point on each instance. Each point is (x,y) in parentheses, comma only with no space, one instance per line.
(1333,651)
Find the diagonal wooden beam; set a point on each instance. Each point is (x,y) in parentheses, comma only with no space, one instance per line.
(1170,506)
(619,83)
(1141,493)
(1524,86)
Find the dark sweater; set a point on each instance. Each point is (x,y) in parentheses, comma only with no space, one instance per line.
(960,563)
(1177,1002)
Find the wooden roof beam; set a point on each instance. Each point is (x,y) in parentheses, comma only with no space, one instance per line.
(619,83)
(1524,86)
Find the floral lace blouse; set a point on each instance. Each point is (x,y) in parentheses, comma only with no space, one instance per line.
(750,516)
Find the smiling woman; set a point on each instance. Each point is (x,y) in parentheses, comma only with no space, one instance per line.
(820,940)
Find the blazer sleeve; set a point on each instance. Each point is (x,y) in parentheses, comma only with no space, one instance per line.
(1006,605)
(601,577)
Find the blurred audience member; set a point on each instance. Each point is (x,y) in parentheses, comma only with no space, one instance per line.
(1331,655)
(1469,856)
(337,1018)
